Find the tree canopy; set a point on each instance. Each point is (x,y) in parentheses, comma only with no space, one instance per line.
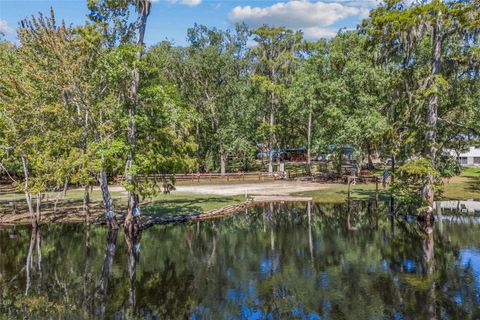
(82,104)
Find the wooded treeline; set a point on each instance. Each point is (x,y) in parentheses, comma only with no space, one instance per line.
(81,103)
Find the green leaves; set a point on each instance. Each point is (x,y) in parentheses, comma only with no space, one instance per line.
(410,178)
(70,95)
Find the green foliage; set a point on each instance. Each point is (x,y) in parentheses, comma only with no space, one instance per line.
(410,179)
(448,167)
(67,103)
(275,60)
(429,50)
(65,109)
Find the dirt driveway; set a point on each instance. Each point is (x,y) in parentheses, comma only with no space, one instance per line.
(259,188)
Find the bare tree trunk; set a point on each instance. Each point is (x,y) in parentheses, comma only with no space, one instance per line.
(86,204)
(28,195)
(197,151)
(132,131)
(65,188)
(431,135)
(309,143)
(223,161)
(28,198)
(107,201)
(38,215)
(133,212)
(271,142)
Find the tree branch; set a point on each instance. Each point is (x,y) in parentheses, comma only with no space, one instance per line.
(473,130)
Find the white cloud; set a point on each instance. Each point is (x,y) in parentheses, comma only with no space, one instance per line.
(358,3)
(315,33)
(5,28)
(190,3)
(313,17)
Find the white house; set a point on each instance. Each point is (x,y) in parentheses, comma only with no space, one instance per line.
(470,157)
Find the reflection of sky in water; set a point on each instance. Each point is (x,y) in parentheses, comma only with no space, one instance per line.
(384,265)
(290,278)
(409,265)
(251,313)
(249,306)
(470,258)
(269,265)
(322,281)
(300,314)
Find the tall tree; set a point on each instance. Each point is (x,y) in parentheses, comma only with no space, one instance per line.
(421,35)
(208,73)
(37,130)
(132,219)
(114,19)
(275,58)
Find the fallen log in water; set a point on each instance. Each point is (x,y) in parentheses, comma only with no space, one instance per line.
(212,214)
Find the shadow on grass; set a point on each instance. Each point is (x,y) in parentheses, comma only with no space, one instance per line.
(20,206)
(165,207)
(368,194)
(473,183)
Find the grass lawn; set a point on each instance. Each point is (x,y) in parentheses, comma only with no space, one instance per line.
(187,203)
(463,187)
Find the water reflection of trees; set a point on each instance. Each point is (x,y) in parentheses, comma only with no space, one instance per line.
(30,265)
(276,259)
(364,261)
(101,294)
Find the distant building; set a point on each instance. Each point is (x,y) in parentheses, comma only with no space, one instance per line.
(347,151)
(470,158)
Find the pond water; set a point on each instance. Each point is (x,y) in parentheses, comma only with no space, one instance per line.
(276,261)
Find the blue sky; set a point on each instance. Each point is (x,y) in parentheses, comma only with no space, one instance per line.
(170,19)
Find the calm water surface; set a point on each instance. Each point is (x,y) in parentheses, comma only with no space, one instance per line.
(275,261)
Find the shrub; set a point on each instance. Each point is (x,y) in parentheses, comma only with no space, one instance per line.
(410,179)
